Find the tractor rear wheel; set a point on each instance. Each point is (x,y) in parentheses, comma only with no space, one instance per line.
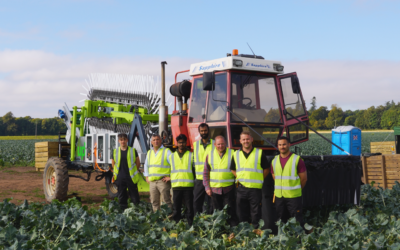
(112,190)
(55,179)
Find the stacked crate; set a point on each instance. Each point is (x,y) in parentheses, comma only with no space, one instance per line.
(385,148)
(43,151)
(382,169)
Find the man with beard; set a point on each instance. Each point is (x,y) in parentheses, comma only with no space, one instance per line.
(290,175)
(200,149)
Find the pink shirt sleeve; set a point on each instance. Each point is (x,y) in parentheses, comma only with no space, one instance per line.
(301,167)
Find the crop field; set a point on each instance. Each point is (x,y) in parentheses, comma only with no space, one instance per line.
(21,151)
(374,224)
(29,137)
(318,146)
(18,152)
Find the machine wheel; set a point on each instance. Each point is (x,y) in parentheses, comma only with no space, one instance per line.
(55,179)
(112,190)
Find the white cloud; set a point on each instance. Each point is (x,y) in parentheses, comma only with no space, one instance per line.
(28,34)
(37,83)
(72,34)
(350,84)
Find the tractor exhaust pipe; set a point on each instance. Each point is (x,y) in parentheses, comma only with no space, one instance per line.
(163,114)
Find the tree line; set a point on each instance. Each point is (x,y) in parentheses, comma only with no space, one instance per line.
(381,117)
(11,125)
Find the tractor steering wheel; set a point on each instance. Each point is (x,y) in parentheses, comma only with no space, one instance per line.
(247,105)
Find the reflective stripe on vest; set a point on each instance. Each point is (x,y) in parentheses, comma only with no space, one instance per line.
(131,164)
(250,177)
(181,176)
(199,157)
(161,167)
(220,176)
(287,181)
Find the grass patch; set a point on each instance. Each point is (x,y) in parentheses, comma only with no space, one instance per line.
(36,191)
(103,188)
(29,137)
(10,171)
(18,191)
(34,172)
(89,199)
(42,196)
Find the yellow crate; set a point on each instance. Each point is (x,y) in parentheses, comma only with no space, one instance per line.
(382,147)
(43,151)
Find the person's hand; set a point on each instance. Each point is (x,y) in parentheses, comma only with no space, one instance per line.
(147,180)
(166,179)
(209,192)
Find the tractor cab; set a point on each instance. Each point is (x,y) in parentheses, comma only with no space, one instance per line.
(230,92)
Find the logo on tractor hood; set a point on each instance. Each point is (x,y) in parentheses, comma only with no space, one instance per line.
(208,67)
(258,65)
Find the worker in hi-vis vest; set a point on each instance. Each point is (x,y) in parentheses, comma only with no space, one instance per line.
(182,180)
(200,150)
(157,172)
(250,166)
(290,175)
(219,180)
(126,175)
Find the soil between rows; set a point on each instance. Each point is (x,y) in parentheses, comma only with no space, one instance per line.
(25,183)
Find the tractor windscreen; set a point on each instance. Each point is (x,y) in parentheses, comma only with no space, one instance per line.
(254,98)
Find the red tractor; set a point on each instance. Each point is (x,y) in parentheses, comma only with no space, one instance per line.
(247,93)
(236,93)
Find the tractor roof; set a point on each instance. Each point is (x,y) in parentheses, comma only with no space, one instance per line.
(238,62)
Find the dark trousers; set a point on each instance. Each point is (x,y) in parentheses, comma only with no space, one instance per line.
(268,213)
(289,207)
(219,201)
(178,197)
(123,193)
(199,197)
(248,202)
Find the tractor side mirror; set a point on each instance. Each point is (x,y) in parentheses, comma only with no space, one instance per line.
(208,81)
(295,85)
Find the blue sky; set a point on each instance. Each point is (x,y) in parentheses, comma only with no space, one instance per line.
(48,42)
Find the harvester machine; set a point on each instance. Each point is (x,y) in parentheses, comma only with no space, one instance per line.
(232,94)
(114,104)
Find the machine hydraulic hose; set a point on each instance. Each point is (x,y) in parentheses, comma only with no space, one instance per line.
(326,139)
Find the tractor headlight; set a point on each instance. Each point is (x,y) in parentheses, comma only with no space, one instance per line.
(238,63)
(278,67)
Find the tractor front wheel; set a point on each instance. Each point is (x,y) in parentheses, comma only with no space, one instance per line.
(112,190)
(55,179)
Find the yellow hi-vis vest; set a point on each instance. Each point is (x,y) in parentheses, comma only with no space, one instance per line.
(249,171)
(158,164)
(200,156)
(181,170)
(287,181)
(131,158)
(220,174)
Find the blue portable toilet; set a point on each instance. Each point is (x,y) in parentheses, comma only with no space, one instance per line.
(348,138)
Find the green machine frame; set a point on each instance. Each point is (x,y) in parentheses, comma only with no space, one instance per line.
(121,114)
